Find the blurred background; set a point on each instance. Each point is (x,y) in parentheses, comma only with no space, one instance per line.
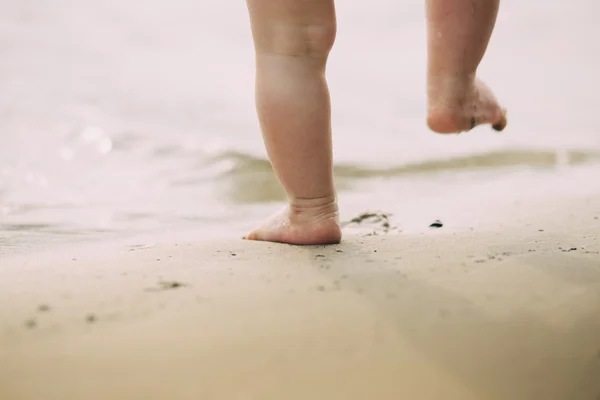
(120,118)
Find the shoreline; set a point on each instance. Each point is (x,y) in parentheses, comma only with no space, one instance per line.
(477,205)
(502,302)
(413,180)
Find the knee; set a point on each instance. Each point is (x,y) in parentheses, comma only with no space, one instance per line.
(300,40)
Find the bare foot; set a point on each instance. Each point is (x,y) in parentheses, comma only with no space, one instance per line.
(455,107)
(303,222)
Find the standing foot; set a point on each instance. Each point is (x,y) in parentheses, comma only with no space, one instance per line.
(456,106)
(303,222)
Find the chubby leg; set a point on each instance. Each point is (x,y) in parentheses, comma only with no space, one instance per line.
(292,39)
(458,34)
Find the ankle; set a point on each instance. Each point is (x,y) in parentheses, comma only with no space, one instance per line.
(449,90)
(314,209)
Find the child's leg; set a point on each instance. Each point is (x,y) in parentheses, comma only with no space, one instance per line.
(292,40)
(458,35)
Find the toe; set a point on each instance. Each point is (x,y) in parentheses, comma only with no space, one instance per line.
(251,236)
(501,123)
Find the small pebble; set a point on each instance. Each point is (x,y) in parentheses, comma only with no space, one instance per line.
(436,224)
(43,308)
(30,324)
(170,284)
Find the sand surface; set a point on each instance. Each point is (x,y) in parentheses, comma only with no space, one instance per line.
(508,308)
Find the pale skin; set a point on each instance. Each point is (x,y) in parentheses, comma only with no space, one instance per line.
(292,39)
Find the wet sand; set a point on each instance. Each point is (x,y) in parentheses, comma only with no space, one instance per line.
(508,308)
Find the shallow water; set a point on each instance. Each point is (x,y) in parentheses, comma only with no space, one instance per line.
(117,119)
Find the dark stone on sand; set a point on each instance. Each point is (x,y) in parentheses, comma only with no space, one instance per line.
(30,324)
(436,224)
(166,285)
(170,285)
(43,308)
(90,318)
(568,250)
